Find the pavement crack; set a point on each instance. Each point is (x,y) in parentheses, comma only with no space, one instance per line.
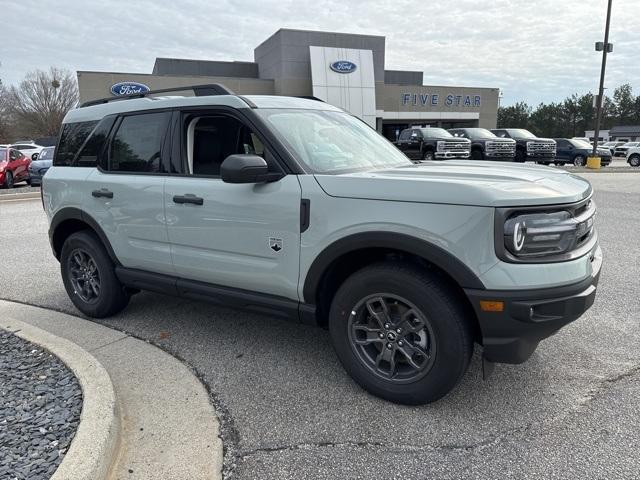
(108,343)
(605,384)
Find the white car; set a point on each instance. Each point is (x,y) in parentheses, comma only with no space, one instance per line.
(633,156)
(31,150)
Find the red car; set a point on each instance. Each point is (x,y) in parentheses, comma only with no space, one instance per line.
(14,167)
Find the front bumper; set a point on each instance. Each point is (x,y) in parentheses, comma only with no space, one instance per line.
(512,335)
(446,155)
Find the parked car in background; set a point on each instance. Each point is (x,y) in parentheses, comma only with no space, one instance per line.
(39,167)
(431,144)
(584,139)
(621,151)
(633,156)
(575,152)
(14,167)
(529,146)
(32,150)
(485,145)
(612,145)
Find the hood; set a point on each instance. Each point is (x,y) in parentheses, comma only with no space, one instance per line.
(491,184)
(35,164)
(541,140)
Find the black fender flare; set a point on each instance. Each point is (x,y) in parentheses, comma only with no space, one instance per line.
(72,213)
(439,257)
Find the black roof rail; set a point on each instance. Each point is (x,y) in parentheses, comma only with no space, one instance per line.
(198,90)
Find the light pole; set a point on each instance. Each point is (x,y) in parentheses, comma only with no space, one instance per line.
(606,47)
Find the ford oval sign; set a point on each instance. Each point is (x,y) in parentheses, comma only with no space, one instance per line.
(129,88)
(343,66)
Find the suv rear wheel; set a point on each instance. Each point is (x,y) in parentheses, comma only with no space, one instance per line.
(634,160)
(89,276)
(400,333)
(579,161)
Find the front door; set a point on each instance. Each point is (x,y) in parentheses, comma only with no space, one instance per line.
(245,236)
(563,152)
(19,165)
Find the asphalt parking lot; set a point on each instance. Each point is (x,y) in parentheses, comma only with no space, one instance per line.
(290,411)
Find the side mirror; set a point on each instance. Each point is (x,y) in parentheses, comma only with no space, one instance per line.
(246,168)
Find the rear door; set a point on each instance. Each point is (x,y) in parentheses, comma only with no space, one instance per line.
(244,236)
(404,141)
(124,194)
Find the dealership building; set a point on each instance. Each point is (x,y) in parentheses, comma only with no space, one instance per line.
(346,70)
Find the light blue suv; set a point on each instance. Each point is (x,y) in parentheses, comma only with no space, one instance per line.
(293,208)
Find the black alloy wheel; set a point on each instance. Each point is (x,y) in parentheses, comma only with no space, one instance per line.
(84,275)
(429,155)
(392,338)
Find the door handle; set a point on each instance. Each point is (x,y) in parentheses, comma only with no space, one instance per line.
(188,198)
(103,192)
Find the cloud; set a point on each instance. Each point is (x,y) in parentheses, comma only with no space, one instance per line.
(533,50)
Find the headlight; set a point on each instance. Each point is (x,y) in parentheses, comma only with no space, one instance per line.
(534,235)
(440,145)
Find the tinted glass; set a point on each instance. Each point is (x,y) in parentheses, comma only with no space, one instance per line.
(332,142)
(72,138)
(478,133)
(46,153)
(405,135)
(137,144)
(94,146)
(521,133)
(435,133)
(3,154)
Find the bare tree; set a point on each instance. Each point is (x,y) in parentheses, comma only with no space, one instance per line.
(41,101)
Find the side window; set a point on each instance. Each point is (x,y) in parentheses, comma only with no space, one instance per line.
(405,135)
(211,139)
(500,133)
(92,150)
(13,155)
(415,134)
(137,145)
(72,138)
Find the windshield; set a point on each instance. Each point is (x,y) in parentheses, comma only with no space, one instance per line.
(478,133)
(46,154)
(332,142)
(435,133)
(521,133)
(581,144)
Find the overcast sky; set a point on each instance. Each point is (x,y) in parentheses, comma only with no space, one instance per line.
(534,50)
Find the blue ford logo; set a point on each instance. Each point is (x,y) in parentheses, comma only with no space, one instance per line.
(129,88)
(343,66)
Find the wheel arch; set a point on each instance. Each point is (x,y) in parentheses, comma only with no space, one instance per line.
(70,220)
(348,254)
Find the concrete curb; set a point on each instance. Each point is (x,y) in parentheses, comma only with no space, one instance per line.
(94,445)
(9,197)
(166,425)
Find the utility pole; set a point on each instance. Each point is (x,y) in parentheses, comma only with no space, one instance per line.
(606,47)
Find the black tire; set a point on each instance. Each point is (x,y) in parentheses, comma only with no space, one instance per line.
(477,154)
(429,155)
(579,161)
(634,160)
(28,180)
(111,296)
(520,156)
(447,334)
(8,179)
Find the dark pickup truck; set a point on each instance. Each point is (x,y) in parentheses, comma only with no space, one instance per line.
(431,144)
(528,146)
(485,145)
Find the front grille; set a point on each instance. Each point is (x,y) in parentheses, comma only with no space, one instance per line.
(541,147)
(494,148)
(457,147)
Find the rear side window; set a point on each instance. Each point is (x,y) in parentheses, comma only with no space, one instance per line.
(72,138)
(137,144)
(92,151)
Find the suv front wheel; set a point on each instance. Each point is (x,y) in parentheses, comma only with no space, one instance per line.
(89,276)
(400,333)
